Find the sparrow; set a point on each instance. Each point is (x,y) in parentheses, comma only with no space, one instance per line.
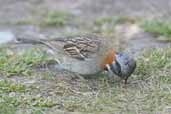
(87,55)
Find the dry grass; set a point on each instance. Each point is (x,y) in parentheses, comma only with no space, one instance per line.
(160,29)
(148,91)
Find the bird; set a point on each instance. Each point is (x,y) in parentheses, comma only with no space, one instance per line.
(87,55)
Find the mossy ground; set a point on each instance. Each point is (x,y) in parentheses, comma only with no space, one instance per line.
(148,90)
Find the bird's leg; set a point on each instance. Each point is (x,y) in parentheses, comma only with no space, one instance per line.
(126,80)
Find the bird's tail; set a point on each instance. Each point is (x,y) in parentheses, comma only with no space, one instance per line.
(34,42)
(44,42)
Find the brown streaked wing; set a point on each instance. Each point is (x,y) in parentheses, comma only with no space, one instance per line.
(81,48)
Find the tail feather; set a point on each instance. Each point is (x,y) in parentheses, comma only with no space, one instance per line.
(35,41)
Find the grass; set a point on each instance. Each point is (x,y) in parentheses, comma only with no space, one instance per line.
(158,28)
(7,86)
(20,64)
(159,59)
(15,96)
(148,91)
(8,103)
(27,21)
(56,18)
(106,25)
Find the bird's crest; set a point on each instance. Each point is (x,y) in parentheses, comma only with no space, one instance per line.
(109,58)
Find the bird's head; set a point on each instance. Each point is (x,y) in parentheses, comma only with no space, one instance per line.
(108,60)
(119,64)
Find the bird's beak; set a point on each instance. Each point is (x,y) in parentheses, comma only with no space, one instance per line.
(109,71)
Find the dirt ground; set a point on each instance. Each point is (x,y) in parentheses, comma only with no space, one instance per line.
(14,16)
(14,11)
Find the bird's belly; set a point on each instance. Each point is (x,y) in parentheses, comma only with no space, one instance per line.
(88,67)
